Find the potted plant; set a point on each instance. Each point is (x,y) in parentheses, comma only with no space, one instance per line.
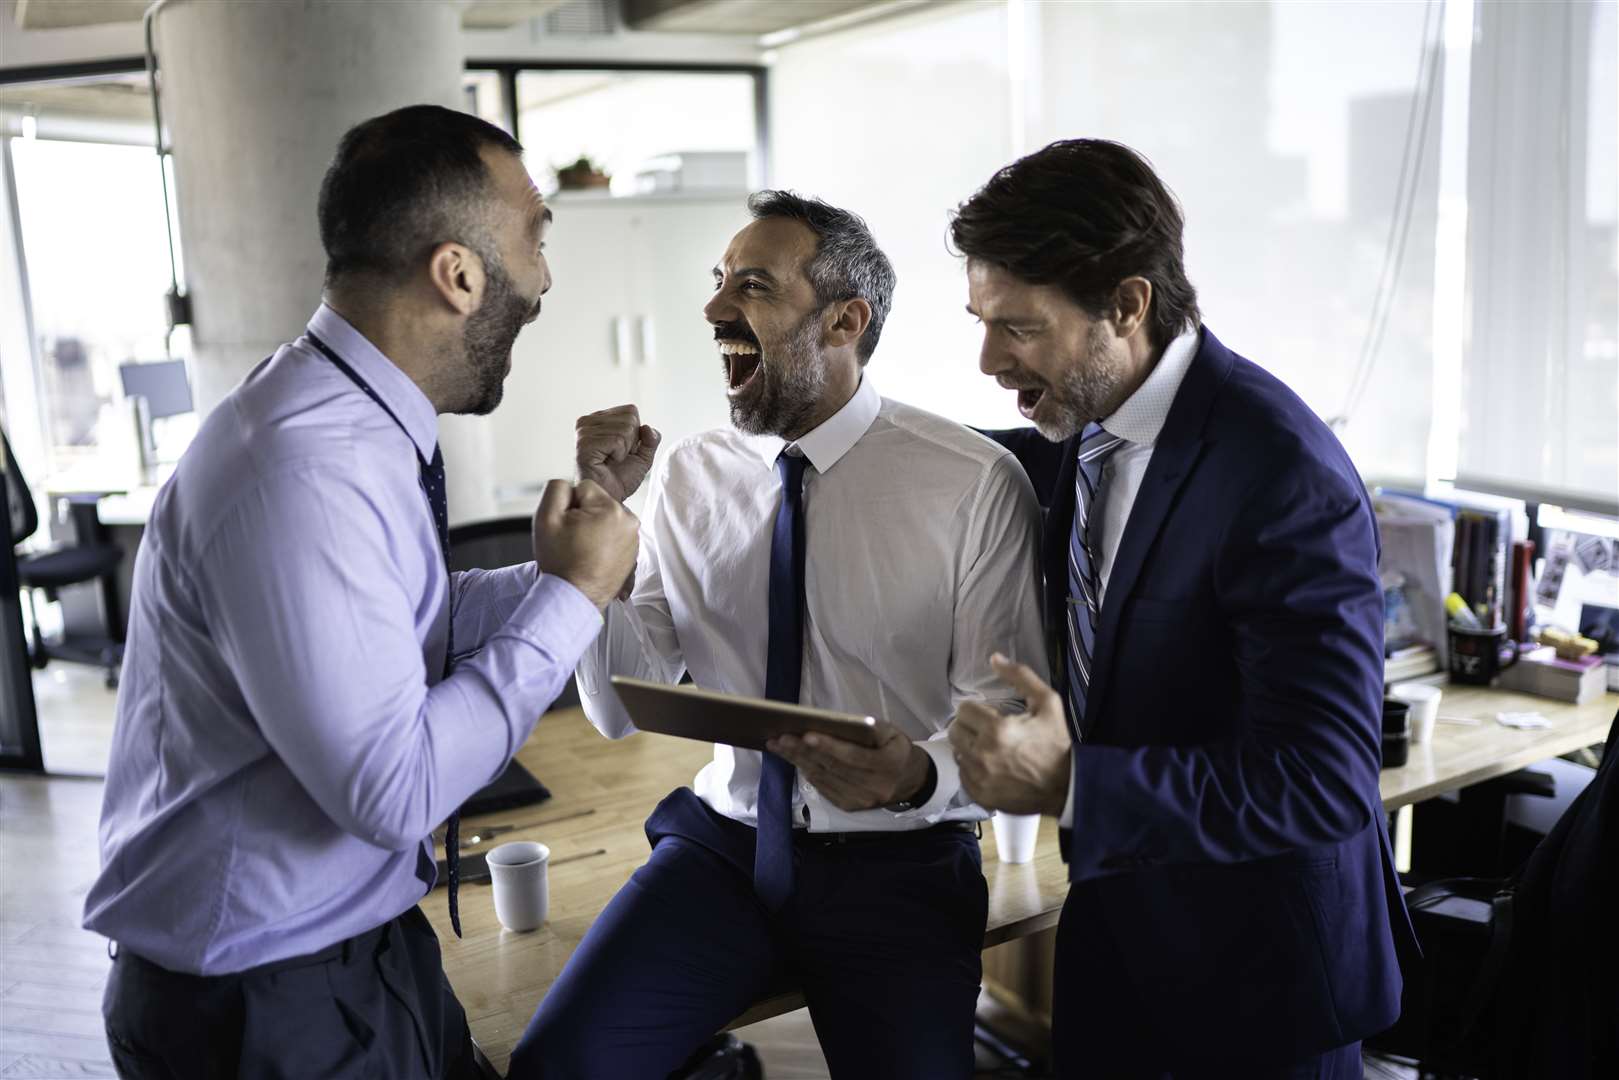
(582,175)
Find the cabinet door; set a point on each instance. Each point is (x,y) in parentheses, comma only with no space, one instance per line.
(575,358)
(679,382)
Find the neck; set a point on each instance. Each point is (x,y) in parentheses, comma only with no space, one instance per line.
(405,340)
(1142,358)
(842,380)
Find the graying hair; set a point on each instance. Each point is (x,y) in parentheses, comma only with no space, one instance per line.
(847,263)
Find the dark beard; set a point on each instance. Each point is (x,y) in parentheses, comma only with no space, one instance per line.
(1085,392)
(786,391)
(487,339)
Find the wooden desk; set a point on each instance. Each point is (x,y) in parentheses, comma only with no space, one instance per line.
(603,791)
(1460,755)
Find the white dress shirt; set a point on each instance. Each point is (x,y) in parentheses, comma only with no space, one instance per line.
(1138,421)
(922,542)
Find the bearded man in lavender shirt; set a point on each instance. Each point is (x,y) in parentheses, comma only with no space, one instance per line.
(307,691)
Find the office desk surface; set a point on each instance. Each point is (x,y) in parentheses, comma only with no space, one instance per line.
(602,791)
(1461,754)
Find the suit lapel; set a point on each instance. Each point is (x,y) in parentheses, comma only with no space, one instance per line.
(1174,456)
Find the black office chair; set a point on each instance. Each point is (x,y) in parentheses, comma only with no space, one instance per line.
(1517,981)
(490,545)
(497,542)
(56,569)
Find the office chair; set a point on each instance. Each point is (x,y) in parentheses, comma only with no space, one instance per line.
(489,545)
(1517,977)
(58,568)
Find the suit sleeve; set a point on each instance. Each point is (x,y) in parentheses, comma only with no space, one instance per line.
(1295,577)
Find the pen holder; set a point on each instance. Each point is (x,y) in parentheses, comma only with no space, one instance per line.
(1396,733)
(1478,656)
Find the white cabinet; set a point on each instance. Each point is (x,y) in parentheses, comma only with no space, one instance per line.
(623,322)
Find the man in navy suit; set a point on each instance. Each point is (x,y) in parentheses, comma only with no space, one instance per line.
(1215,627)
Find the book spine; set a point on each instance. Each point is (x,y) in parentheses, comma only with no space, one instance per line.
(1499,534)
(1461,552)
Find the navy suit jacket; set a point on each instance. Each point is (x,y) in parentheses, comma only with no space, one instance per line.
(1229,841)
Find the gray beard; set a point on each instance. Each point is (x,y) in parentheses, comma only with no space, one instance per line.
(786,391)
(1084,393)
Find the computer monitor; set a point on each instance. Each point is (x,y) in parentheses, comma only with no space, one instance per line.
(163,384)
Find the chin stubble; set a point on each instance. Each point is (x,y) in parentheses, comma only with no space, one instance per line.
(786,390)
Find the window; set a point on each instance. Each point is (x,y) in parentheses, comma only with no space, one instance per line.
(93,238)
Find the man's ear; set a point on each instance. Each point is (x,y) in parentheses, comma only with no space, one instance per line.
(1132,301)
(457,275)
(849,322)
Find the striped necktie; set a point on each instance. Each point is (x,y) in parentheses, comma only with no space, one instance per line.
(1084,588)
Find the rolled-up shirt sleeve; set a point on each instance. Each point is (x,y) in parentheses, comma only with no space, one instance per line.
(330,667)
(639,639)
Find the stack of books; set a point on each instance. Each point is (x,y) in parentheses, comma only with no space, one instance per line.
(1541,672)
(1418,658)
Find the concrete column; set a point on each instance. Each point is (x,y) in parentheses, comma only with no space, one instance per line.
(256,94)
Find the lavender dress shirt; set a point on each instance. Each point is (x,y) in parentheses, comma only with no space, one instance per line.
(284,743)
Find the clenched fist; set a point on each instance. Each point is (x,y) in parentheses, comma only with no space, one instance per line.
(615,449)
(585,536)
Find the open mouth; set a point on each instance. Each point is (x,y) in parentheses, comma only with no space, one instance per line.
(1029,399)
(742,363)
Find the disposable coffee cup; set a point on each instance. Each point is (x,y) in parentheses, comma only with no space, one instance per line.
(1015,835)
(1424,702)
(517,872)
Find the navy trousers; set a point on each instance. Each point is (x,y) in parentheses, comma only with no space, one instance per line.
(883,936)
(375,1005)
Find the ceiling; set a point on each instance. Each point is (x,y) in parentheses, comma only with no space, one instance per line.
(752,17)
(61,14)
(734,16)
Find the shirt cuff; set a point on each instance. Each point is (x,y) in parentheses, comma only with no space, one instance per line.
(1067,819)
(556,617)
(947,782)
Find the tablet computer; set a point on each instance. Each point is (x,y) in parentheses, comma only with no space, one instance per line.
(747,722)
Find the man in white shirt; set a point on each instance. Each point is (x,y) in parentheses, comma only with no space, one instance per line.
(839,550)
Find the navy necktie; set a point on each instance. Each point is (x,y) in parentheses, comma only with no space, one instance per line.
(432,478)
(433,481)
(1084,586)
(784,668)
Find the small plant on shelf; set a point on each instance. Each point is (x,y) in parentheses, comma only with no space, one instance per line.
(582,175)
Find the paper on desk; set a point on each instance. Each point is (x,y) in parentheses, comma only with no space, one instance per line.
(1522,720)
(1417,539)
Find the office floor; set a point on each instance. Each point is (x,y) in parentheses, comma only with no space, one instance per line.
(75,711)
(52,972)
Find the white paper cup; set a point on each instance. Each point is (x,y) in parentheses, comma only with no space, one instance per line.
(517,871)
(1424,702)
(1015,835)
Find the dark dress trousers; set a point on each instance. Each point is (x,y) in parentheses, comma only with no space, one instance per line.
(1234,908)
(375,1005)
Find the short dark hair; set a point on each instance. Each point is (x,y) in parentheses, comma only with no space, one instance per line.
(403,183)
(847,261)
(1084,214)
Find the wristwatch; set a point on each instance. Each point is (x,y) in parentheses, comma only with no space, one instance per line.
(921,796)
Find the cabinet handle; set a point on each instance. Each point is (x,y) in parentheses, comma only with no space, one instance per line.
(621,340)
(643,326)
